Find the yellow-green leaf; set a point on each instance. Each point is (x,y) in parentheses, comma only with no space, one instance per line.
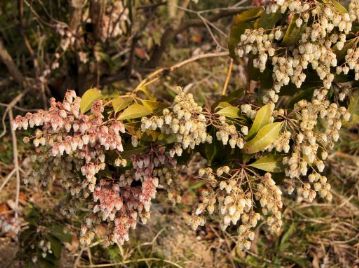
(151,104)
(265,137)
(338,6)
(147,93)
(222,105)
(229,111)
(269,163)
(293,33)
(262,118)
(88,99)
(134,111)
(121,102)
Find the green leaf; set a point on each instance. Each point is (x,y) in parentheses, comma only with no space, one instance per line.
(121,102)
(270,163)
(56,246)
(286,236)
(58,231)
(232,97)
(293,33)
(135,111)
(262,118)
(229,111)
(265,137)
(354,109)
(88,99)
(268,20)
(210,150)
(240,23)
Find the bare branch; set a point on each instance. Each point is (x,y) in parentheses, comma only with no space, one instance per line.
(10,64)
(170,32)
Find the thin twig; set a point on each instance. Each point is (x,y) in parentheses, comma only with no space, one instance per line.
(16,161)
(9,107)
(228,77)
(156,74)
(7,179)
(171,31)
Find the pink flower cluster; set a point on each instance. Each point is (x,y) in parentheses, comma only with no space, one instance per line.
(65,130)
(129,199)
(108,195)
(80,143)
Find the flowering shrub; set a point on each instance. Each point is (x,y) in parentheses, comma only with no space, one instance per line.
(113,154)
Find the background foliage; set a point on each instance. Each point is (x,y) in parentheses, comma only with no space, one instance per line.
(47,47)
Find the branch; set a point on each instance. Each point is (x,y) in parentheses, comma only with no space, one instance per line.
(16,161)
(9,107)
(170,33)
(199,23)
(156,74)
(10,64)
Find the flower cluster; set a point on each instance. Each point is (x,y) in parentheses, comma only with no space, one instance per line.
(319,122)
(121,201)
(351,62)
(248,110)
(319,39)
(228,134)
(354,10)
(45,247)
(270,199)
(230,193)
(184,119)
(169,180)
(282,144)
(64,130)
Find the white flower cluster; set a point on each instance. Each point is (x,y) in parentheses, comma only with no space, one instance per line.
(184,119)
(194,221)
(229,194)
(44,169)
(72,144)
(45,247)
(245,231)
(319,184)
(228,134)
(324,31)
(248,111)
(282,143)
(354,10)
(270,198)
(226,194)
(170,181)
(351,62)
(319,122)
